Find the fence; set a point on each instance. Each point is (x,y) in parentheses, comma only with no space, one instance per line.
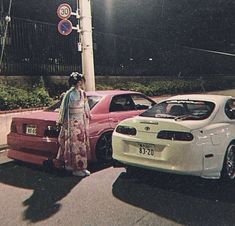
(36,48)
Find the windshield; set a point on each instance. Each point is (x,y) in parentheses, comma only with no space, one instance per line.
(181,110)
(92,101)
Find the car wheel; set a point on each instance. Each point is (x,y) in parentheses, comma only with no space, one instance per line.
(104,148)
(229,163)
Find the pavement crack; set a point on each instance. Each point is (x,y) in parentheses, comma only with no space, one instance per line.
(140,219)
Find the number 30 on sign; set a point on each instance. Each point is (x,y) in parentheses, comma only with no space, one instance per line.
(64,11)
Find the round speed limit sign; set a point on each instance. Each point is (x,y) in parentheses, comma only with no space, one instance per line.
(64,11)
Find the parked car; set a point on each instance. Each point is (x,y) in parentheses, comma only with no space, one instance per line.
(186,134)
(33,137)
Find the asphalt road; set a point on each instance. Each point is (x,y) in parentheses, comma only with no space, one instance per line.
(31,195)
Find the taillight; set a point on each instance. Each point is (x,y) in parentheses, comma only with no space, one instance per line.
(52,131)
(13,127)
(175,135)
(126,130)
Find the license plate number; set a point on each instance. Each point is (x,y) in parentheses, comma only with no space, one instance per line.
(146,150)
(31,129)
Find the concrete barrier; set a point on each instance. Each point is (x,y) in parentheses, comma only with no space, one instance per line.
(5,124)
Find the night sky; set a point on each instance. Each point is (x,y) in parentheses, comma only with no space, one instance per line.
(206,24)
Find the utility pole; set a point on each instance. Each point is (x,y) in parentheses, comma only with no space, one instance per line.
(87,44)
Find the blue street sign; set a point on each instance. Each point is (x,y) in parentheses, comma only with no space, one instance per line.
(65,27)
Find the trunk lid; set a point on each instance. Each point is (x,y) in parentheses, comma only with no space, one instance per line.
(35,124)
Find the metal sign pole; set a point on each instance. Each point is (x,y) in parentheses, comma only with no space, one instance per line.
(84,28)
(87,44)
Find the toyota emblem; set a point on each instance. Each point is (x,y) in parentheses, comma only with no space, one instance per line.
(147,128)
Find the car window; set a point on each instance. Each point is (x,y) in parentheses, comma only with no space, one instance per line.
(141,102)
(130,102)
(122,103)
(230,108)
(181,109)
(92,101)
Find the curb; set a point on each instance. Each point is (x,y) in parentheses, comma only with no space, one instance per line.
(3,146)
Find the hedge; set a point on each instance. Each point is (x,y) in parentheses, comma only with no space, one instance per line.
(16,98)
(44,92)
(171,87)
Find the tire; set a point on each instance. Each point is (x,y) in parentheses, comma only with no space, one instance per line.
(104,148)
(228,172)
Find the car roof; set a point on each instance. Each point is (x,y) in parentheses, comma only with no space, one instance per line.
(202,97)
(109,92)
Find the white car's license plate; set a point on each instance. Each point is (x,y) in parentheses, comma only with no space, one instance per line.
(31,129)
(146,150)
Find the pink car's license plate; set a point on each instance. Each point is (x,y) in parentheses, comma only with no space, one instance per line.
(31,129)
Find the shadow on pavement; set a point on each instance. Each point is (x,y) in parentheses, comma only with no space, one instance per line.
(49,187)
(183,199)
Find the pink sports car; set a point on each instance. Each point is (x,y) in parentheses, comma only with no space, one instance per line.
(33,137)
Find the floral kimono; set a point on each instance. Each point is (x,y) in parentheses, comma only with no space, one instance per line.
(74,138)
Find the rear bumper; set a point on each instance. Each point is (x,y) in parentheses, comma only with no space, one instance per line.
(31,149)
(37,149)
(169,156)
(27,157)
(43,144)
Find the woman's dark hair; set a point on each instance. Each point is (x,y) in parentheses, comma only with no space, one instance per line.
(74,78)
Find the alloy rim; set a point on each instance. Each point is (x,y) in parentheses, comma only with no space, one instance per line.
(105,147)
(108,147)
(230,166)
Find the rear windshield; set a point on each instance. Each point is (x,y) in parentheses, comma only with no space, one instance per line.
(181,110)
(92,101)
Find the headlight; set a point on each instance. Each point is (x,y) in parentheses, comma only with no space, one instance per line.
(52,131)
(126,130)
(175,135)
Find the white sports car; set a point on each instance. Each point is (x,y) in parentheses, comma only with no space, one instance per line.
(186,134)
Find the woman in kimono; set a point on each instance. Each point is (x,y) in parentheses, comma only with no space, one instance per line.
(74,120)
